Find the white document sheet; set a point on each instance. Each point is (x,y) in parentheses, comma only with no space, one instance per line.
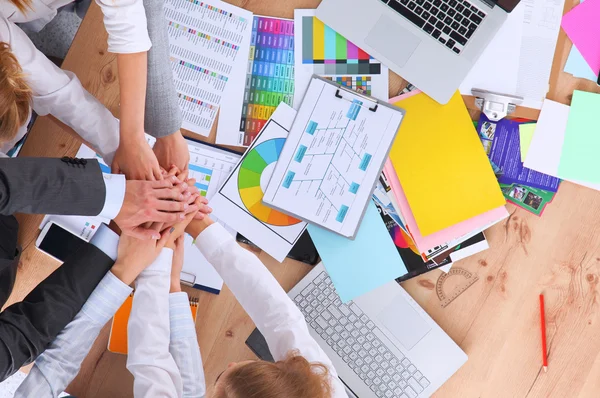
(239,201)
(497,69)
(348,71)
(527,42)
(332,158)
(209,44)
(547,142)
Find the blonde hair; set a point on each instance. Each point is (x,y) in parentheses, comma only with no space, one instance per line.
(293,377)
(15,94)
(22,5)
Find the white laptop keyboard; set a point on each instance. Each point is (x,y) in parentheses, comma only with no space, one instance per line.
(358,341)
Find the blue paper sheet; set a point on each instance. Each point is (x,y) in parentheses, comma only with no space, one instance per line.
(363,264)
(578,67)
(502,143)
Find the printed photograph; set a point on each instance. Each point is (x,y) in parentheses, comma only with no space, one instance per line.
(517,193)
(533,200)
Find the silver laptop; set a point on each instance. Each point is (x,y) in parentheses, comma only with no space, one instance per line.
(382,344)
(431,43)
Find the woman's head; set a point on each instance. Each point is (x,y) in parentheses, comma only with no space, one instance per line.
(15,95)
(293,377)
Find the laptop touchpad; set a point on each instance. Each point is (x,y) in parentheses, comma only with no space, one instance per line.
(392,40)
(401,319)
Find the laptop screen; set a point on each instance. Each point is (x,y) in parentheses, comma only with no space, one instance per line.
(507,5)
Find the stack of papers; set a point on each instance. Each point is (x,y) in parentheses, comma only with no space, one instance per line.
(565,143)
(506,143)
(437,154)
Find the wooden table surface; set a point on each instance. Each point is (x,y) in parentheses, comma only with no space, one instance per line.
(496,321)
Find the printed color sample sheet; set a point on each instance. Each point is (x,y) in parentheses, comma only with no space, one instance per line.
(239,202)
(332,158)
(322,51)
(269,81)
(208,45)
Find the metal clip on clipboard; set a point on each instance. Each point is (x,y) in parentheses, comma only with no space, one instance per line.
(495,106)
(339,95)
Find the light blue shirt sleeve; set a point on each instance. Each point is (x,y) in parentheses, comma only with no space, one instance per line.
(60,363)
(184,346)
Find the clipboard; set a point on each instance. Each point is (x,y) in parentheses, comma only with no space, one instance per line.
(368,119)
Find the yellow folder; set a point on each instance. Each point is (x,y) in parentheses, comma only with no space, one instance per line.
(441,164)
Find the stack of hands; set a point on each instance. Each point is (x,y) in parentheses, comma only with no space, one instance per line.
(153,195)
(158,205)
(135,255)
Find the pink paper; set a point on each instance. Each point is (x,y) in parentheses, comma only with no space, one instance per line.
(404,96)
(425,243)
(582,25)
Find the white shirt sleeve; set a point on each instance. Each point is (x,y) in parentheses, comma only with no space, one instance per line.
(106,240)
(125,22)
(61,94)
(275,315)
(184,346)
(115,195)
(148,334)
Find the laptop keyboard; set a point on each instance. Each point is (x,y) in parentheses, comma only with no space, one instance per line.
(358,341)
(450,22)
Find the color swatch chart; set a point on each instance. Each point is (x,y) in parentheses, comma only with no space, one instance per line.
(205,41)
(331,53)
(360,84)
(270,77)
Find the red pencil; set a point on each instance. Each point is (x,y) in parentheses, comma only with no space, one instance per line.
(543,324)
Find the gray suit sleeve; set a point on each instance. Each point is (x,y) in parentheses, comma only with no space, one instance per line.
(162,114)
(51,186)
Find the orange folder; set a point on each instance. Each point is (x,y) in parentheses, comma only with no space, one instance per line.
(117,341)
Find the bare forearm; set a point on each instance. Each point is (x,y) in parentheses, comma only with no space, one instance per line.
(133,69)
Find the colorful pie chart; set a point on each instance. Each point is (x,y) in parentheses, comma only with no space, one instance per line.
(251,171)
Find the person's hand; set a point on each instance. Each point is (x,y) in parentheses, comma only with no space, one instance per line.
(179,229)
(196,227)
(172,151)
(135,255)
(177,264)
(153,201)
(135,159)
(201,201)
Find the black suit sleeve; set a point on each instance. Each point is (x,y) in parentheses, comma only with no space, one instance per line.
(51,186)
(26,328)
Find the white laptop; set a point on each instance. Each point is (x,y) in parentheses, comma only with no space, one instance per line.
(382,344)
(431,43)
